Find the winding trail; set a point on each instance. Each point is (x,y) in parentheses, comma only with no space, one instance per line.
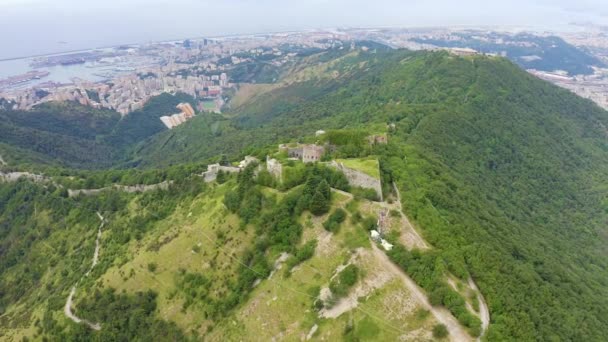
(484,311)
(67,310)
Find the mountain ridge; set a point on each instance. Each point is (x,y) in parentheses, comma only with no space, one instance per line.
(502,173)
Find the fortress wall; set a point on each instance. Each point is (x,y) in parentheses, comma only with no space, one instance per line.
(360,179)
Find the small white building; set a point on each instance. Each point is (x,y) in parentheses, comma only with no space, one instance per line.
(386,245)
(376,236)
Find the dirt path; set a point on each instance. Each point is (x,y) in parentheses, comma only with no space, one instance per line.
(406,221)
(457,332)
(484,311)
(67,310)
(376,278)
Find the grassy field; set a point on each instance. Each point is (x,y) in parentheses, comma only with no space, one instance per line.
(368,166)
(282,307)
(192,240)
(204,239)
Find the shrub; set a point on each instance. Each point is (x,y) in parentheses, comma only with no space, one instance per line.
(370,223)
(334,220)
(266,179)
(344,281)
(306,252)
(440,331)
(367,194)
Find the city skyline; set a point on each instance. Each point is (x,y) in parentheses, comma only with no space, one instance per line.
(65,25)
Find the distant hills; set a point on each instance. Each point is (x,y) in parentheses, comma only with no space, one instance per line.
(529,51)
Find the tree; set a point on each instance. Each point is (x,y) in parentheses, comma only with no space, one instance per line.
(319,204)
(312,184)
(224,160)
(324,189)
(333,222)
(221,177)
(232,201)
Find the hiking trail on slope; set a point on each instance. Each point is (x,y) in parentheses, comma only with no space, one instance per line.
(68,304)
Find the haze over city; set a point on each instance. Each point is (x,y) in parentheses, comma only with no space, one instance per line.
(45,26)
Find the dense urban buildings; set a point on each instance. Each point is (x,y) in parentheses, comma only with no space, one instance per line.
(187,113)
(124,78)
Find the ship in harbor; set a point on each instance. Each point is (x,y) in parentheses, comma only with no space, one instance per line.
(23,78)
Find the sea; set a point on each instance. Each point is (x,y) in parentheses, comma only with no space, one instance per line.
(58,73)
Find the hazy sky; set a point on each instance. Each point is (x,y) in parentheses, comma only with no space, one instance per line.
(41,26)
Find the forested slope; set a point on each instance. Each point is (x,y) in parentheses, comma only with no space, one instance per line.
(509,181)
(70,135)
(503,173)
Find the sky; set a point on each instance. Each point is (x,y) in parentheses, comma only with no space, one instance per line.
(31,27)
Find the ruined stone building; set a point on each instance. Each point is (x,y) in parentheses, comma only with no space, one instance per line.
(378,139)
(307,153)
(274,167)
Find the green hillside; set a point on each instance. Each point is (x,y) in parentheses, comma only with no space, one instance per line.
(190,262)
(508,182)
(502,173)
(72,135)
(497,167)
